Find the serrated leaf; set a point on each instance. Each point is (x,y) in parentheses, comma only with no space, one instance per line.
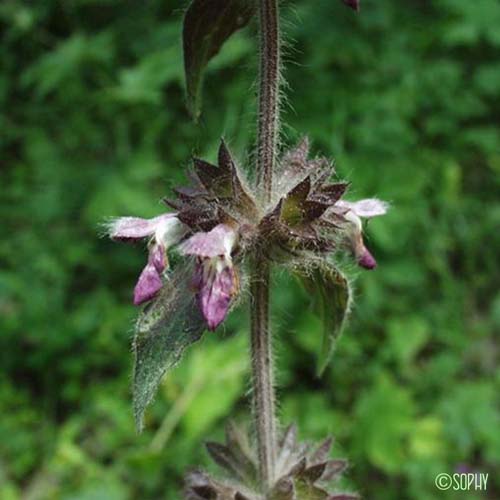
(207,25)
(332,294)
(165,328)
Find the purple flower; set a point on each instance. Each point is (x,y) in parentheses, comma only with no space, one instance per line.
(164,231)
(367,209)
(215,278)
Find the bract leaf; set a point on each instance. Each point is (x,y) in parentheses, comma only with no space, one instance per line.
(168,325)
(333,300)
(293,208)
(207,25)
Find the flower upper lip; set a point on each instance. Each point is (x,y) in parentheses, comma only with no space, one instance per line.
(163,231)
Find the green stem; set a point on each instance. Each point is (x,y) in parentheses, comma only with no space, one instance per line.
(261,341)
(262,374)
(268,95)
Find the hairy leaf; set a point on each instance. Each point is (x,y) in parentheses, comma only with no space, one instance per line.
(332,294)
(207,25)
(165,328)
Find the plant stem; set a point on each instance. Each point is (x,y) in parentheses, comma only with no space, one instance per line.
(262,374)
(261,341)
(268,95)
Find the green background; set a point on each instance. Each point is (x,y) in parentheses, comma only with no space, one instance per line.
(405,97)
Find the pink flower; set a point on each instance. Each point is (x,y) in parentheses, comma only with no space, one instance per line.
(163,231)
(215,278)
(367,209)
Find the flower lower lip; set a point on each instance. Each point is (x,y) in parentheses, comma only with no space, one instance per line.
(367,261)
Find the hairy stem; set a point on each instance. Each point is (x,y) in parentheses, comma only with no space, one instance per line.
(261,342)
(262,359)
(268,95)
(262,374)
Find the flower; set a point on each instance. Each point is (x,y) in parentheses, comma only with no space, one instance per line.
(164,231)
(215,279)
(368,208)
(217,214)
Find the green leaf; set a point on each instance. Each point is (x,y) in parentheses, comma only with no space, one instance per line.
(332,295)
(165,328)
(207,25)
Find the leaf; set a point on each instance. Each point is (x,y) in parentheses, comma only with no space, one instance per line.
(333,299)
(314,473)
(223,456)
(207,25)
(215,179)
(322,452)
(307,491)
(293,206)
(165,328)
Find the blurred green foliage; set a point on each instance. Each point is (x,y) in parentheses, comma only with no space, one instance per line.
(405,96)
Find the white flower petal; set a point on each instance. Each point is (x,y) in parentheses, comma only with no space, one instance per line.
(170,231)
(219,241)
(134,228)
(370,207)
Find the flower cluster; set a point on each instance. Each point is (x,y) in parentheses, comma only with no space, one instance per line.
(217,222)
(303,472)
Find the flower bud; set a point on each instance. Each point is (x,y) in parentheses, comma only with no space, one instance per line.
(355,238)
(149,282)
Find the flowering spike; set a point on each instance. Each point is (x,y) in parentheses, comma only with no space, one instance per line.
(302,476)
